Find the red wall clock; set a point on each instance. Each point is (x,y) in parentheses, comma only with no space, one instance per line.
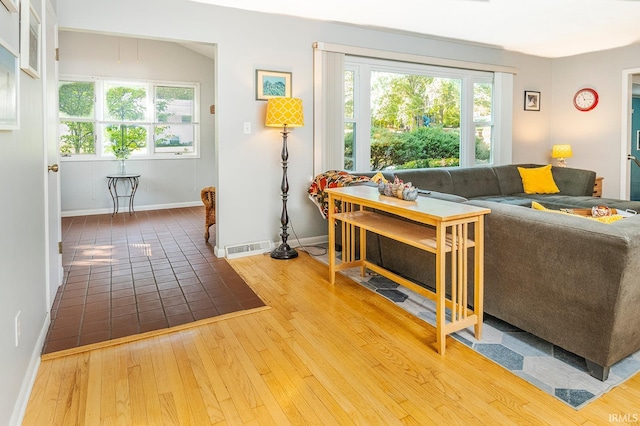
(585,99)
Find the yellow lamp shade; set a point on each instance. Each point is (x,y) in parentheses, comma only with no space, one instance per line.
(284,112)
(561,151)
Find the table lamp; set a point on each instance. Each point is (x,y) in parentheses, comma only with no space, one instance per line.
(285,113)
(561,152)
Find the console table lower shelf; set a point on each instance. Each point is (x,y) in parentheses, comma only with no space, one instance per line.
(447,234)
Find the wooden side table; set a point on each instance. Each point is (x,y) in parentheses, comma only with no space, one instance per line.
(597,188)
(448,231)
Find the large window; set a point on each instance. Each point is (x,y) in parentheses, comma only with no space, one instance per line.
(413,116)
(108,118)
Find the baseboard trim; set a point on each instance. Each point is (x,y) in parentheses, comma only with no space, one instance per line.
(70,213)
(20,408)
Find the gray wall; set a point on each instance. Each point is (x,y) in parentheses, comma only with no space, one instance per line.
(163,182)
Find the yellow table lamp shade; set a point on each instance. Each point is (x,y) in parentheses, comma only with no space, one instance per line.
(561,151)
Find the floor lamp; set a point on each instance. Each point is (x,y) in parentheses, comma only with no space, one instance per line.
(285,113)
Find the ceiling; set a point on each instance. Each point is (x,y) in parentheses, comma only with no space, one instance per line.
(547,28)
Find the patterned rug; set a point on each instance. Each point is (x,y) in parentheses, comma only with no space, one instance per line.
(546,366)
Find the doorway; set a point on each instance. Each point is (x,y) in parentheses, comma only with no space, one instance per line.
(634,181)
(630,136)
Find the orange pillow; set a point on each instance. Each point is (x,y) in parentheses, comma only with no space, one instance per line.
(538,180)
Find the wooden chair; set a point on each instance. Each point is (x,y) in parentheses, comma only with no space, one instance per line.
(208,196)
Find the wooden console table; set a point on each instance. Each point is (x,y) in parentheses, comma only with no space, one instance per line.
(447,231)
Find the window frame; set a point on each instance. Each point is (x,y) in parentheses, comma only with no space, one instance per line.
(363,67)
(150,122)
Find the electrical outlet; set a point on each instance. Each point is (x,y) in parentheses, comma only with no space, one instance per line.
(17,328)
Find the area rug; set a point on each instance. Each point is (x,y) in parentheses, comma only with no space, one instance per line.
(546,366)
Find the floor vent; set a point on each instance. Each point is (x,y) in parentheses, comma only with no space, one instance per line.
(248,249)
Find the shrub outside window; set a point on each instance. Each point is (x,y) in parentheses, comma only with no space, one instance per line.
(415,116)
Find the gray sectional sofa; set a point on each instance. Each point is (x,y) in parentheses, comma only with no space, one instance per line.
(569,280)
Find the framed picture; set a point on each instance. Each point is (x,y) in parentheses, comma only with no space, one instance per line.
(9,70)
(531,101)
(30,39)
(638,140)
(11,5)
(272,84)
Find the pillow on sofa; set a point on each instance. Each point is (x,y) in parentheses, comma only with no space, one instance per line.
(603,219)
(538,180)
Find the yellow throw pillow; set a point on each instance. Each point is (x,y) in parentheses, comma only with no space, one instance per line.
(604,219)
(608,219)
(538,180)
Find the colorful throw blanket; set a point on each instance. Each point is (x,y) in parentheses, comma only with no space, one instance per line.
(330,179)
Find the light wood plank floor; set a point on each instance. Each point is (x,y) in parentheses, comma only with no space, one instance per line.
(321,355)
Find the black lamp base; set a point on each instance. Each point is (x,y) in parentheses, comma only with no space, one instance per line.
(284,252)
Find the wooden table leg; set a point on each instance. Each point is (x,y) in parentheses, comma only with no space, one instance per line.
(440,288)
(332,241)
(478,275)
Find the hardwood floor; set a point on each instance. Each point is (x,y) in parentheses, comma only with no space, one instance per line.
(321,355)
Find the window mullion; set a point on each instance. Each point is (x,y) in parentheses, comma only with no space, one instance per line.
(467,126)
(363,136)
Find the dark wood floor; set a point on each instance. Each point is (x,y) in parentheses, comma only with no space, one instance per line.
(125,275)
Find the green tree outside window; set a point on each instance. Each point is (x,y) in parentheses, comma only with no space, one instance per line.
(76,101)
(126,104)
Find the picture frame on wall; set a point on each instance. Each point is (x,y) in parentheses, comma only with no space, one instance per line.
(638,140)
(272,84)
(9,69)
(531,101)
(11,5)
(30,39)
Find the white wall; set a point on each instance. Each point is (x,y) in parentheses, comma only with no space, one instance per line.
(163,182)
(595,135)
(22,238)
(248,166)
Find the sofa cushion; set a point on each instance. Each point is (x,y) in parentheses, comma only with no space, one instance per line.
(509,178)
(574,181)
(516,200)
(444,196)
(428,179)
(473,182)
(538,180)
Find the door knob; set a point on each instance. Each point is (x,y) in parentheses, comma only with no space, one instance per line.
(53,168)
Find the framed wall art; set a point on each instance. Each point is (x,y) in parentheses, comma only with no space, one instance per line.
(11,5)
(30,39)
(531,101)
(272,84)
(9,70)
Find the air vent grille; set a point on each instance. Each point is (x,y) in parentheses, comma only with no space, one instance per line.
(248,249)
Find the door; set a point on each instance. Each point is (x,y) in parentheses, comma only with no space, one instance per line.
(634,149)
(54,228)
